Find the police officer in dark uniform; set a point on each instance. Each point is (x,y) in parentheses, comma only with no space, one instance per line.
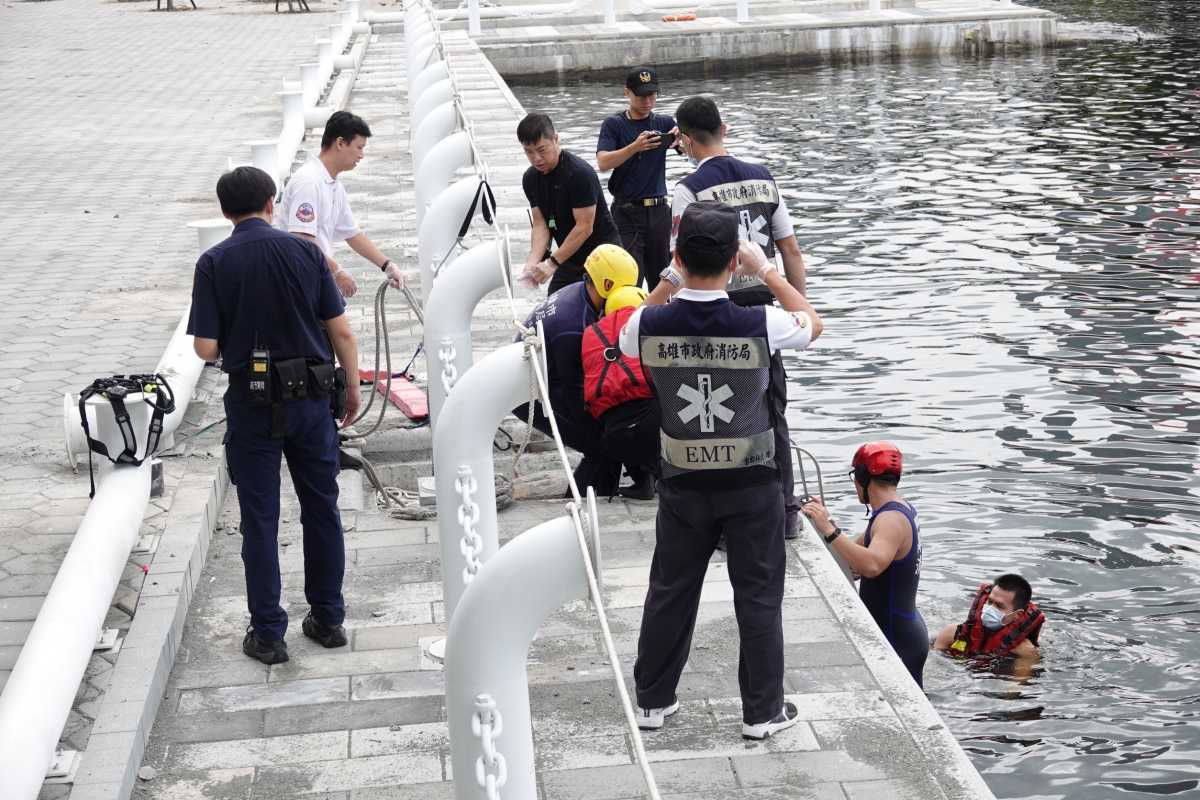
(633,144)
(266,304)
(762,219)
(710,363)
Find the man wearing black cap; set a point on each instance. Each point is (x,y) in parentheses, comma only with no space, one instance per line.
(633,144)
(709,361)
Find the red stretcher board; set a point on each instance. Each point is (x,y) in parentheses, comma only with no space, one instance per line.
(404,395)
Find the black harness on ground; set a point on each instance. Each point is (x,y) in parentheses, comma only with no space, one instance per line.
(115,390)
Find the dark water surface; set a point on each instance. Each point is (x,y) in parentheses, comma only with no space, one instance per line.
(1007,252)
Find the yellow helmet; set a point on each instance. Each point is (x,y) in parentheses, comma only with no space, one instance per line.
(610,267)
(624,297)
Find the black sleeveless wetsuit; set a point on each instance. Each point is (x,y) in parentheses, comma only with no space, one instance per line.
(892,597)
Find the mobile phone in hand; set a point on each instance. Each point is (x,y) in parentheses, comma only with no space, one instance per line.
(665,140)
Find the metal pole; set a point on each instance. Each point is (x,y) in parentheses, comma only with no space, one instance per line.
(610,12)
(743,10)
(875,6)
(41,689)
(464,471)
(452,300)
(486,652)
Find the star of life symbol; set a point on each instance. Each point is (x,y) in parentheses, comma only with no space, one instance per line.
(752,231)
(705,402)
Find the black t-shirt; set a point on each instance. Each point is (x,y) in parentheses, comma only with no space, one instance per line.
(644,174)
(570,185)
(266,288)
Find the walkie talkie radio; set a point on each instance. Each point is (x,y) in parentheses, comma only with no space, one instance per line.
(259,383)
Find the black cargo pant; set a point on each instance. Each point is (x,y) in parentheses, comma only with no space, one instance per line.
(646,235)
(686,532)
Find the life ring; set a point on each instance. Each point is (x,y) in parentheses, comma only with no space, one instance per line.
(687,17)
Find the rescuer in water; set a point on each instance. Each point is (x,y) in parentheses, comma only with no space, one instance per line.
(1003,621)
(887,555)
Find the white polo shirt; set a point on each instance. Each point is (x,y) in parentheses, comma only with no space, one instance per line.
(315,203)
(786,330)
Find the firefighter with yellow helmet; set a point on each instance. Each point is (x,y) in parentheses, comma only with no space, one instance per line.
(565,315)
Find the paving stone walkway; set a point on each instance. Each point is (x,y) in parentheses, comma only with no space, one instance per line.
(118,121)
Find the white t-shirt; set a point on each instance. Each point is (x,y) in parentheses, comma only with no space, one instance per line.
(316,204)
(786,330)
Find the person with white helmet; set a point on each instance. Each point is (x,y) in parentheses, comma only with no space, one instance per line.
(565,315)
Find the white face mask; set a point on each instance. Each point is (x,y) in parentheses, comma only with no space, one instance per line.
(993,618)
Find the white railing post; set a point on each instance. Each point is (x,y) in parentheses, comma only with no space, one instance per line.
(610,12)
(875,6)
(455,293)
(743,10)
(487,687)
(439,229)
(464,470)
(437,170)
(473,26)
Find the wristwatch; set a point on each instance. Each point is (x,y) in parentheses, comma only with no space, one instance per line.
(672,276)
(553,260)
(386,263)
(836,532)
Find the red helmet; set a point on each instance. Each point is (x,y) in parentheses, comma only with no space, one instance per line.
(878,458)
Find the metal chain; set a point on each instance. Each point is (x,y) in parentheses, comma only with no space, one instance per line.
(468,517)
(491,769)
(447,354)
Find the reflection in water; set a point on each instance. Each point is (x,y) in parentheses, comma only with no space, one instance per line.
(1007,252)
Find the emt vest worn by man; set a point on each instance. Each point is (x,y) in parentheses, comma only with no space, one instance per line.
(716,410)
(751,191)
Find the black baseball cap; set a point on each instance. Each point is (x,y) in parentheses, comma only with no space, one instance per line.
(642,81)
(709,226)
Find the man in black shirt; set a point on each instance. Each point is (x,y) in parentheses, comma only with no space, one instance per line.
(259,300)
(566,203)
(633,144)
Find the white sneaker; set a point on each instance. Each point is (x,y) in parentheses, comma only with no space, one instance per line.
(651,719)
(785,719)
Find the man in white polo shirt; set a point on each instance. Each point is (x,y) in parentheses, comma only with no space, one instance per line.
(315,205)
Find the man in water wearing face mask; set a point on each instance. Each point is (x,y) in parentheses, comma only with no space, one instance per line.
(887,555)
(1002,622)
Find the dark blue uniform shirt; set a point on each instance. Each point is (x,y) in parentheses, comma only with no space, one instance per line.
(644,174)
(263,287)
(564,316)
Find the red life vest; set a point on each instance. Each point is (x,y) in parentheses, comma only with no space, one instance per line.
(972,639)
(610,377)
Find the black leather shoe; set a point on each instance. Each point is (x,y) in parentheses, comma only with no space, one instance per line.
(642,488)
(268,652)
(324,635)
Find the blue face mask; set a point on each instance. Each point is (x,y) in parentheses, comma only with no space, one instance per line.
(993,618)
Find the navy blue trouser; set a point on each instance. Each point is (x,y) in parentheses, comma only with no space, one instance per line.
(310,445)
(686,532)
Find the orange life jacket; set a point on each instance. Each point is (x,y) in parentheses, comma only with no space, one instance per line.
(972,639)
(610,377)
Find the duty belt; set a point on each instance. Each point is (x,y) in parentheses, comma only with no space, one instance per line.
(647,202)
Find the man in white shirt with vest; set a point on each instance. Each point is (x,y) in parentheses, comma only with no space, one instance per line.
(315,206)
(709,361)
